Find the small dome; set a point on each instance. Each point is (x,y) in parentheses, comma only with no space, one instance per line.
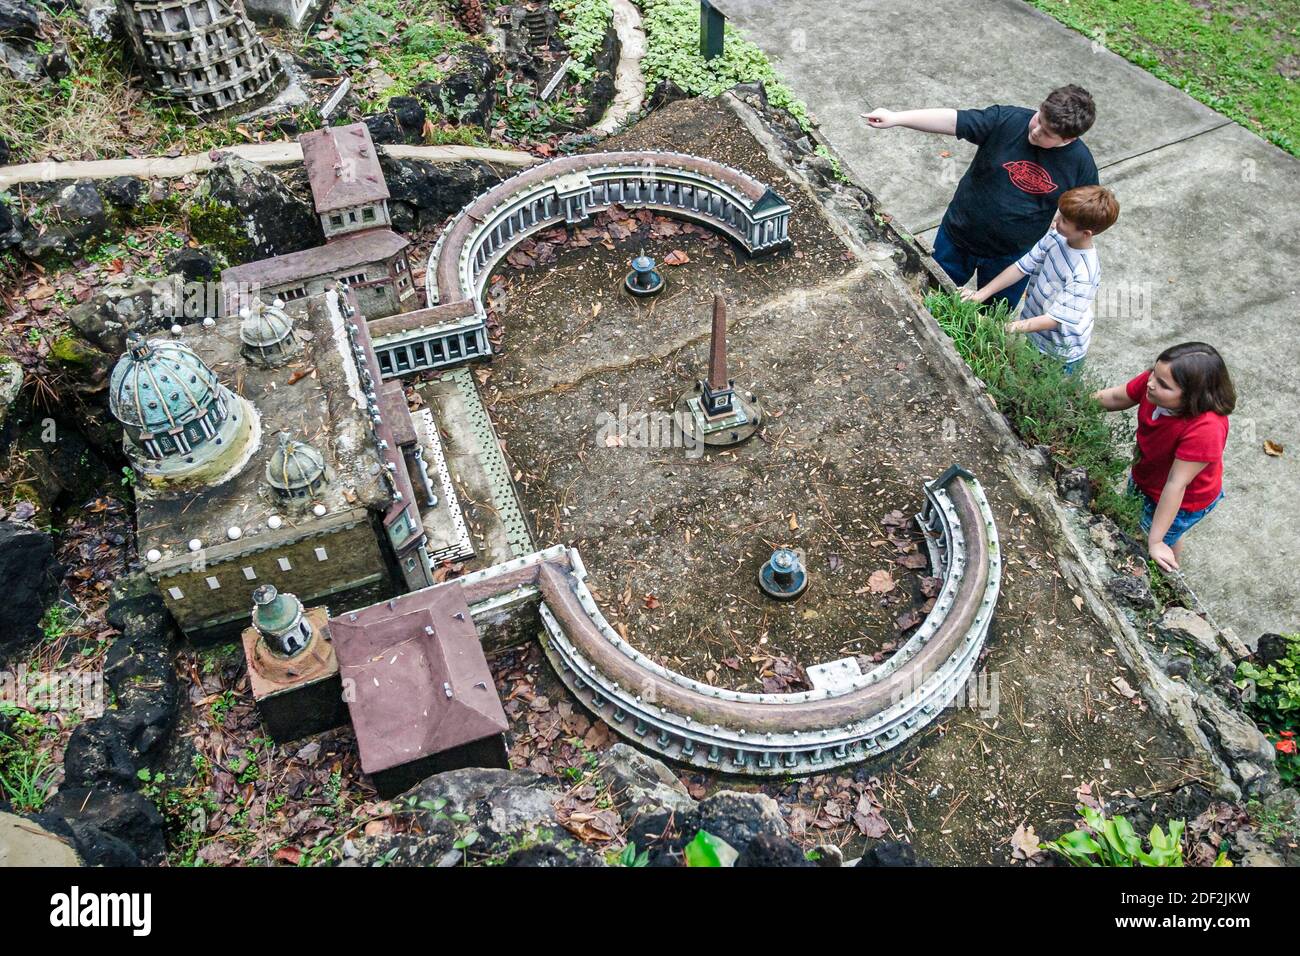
(279,619)
(295,469)
(159,386)
(264,326)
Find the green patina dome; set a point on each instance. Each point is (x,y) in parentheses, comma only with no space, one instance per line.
(295,469)
(158,387)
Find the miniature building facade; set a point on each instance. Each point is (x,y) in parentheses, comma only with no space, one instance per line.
(422,699)
(327,511)
(361,251)
(179,422)
(205,53)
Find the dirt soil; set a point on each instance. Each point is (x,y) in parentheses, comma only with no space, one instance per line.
(860,417)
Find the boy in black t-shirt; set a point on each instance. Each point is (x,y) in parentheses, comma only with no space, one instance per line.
(1006,201)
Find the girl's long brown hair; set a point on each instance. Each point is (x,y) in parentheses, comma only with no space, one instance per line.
(1199,370)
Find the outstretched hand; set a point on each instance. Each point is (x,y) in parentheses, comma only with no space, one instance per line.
(881,119)
(1163,555)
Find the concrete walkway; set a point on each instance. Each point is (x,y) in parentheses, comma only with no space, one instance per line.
(1204,249)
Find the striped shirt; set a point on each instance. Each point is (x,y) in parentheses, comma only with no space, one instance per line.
(1063,286)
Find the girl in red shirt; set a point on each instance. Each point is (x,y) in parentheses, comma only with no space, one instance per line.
(1183,408)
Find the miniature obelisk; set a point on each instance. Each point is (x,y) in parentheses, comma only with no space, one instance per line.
(713,413)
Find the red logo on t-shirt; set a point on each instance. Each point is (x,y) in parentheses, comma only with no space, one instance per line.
(1029,177)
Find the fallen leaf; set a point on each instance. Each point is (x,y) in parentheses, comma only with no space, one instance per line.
(676,258)
(881,582)
(1273,449)
(1024,844)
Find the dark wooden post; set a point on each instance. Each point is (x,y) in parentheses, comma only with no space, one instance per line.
(711,29)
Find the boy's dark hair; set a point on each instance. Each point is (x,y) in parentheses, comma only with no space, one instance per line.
(1069,111)
(1200,372)
(1090,207)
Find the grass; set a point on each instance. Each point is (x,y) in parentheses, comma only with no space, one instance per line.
(404,38)
(1043,404)
(26,772)
(101,110)
(672,29)
(1242,59)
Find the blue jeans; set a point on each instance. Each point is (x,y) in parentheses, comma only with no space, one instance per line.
(1183,520)
(961,265)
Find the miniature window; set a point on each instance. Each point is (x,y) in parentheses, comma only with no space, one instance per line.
(176,594)
(336,220)
(320,554)
(285,565)
(401,264)
(352,215)
(213,584)
(250,574)
(368,214)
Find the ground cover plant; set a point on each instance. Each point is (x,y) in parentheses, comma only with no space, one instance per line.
(1242,59)
(672,29)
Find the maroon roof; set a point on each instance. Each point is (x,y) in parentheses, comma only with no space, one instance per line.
(345,252)
(394,410)
(419,681)
(342,167)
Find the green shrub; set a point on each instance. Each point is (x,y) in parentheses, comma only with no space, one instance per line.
(672,29)
(1276,707)
(1111,841)
(1044,404)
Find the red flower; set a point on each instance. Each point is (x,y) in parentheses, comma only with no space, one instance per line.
(1287,733)
(1286,746)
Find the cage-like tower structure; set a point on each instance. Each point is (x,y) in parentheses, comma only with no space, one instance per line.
(205,53)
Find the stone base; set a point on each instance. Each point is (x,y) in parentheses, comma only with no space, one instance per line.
(297,696)
(699,429)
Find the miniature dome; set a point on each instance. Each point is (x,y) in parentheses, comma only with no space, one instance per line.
(279,619)
(158,387)
(295,469)
(266,332)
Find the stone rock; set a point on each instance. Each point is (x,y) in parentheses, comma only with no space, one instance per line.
(1106,535)
(1179,625)
(1271,649)
(1180,666)
(11,220)
(99,756)
(767,849)
(55,65)
(1254,851)
(640,780)
(19,20)
(108,822)
(890,853)
(4,151)
(1247,752)
(410,116)
(104,20)
(245,212)
(1286,805)
(11,385)
(384,129)
(1133,591)
(124,192)
(1234,646)
(665,92)
(136,304)
(423,194)
(31,576)
(1075,486)
(738,818)
(65,224)
(548,854)
(467,93)
(503,805)
(25,842)
(192,264)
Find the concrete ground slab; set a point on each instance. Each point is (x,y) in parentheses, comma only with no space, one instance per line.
(1199,252)
(849,57)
